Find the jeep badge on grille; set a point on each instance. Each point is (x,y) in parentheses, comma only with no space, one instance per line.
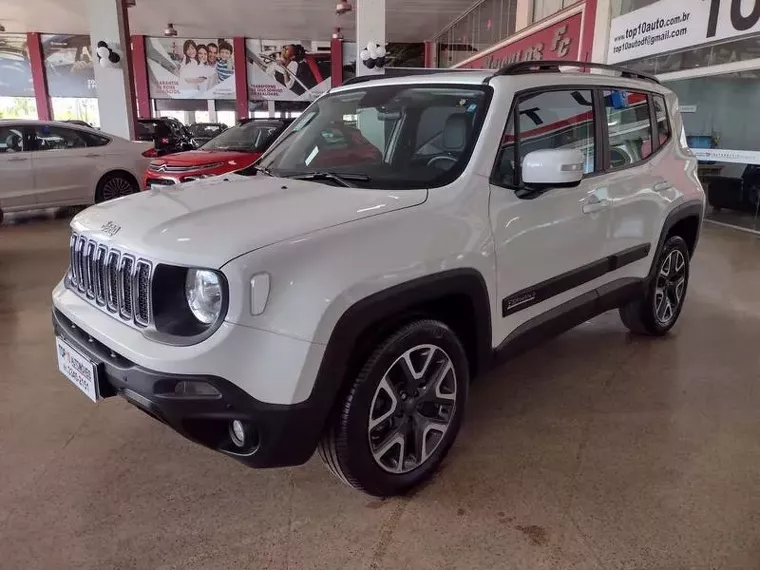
(110,229)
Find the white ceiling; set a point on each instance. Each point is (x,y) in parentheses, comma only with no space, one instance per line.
(406,20)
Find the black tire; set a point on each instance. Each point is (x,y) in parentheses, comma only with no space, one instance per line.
(641,315)
(1,216)
(346,445)
(115,185)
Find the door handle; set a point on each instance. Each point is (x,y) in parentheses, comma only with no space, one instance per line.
(594,204)
(17,159)
(662,186)
(92,155)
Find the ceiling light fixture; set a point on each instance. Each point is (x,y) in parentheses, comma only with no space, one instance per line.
(169,31)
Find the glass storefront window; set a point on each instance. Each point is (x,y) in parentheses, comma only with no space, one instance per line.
(18,108)
(620,7)
(484,25)
(718,115)
(76,109)
(545,8)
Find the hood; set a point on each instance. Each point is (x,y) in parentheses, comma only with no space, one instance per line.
(198,157)
(191,225)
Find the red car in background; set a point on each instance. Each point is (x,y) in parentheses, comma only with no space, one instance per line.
(232,150)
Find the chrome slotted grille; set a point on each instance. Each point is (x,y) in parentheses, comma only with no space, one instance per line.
(115,281)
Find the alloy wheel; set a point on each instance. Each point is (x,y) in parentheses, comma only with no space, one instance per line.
(116,188)
(412,408)
(670,287)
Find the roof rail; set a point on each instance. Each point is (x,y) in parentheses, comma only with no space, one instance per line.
(361,79)
(554,67)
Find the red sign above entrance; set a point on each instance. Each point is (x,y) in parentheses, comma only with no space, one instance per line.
(559,41)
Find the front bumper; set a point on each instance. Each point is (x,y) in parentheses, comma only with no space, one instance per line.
(279,435)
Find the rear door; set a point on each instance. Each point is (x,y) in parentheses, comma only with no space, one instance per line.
(65,168)
(639,197)
(17,179)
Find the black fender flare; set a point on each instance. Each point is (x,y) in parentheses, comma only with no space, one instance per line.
(373,310)
(690,209)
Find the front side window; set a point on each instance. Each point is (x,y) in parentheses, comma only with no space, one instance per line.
(57,138)
(547,120)
(389,136)
(629,127)
(12,139)
(248,137)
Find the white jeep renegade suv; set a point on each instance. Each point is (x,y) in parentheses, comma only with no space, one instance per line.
(403,233)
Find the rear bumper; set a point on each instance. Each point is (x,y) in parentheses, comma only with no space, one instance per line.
(277,435)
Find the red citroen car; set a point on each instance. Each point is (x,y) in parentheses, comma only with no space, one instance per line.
(234,149)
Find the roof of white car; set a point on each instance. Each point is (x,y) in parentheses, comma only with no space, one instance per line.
(604,75)
(32,122)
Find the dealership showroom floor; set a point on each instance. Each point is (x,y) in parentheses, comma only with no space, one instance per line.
(596,450)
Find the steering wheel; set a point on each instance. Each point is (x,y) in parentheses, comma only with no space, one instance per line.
(435,159)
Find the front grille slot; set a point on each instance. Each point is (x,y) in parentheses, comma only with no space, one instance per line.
(118,282)
(126,267)
(142,300)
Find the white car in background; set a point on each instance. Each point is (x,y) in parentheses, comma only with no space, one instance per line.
(48,164)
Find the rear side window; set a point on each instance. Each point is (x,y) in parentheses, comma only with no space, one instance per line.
(661,116)
(561,119)
(629,127)
(91,139)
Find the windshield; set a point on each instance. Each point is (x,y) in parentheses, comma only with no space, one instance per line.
(386,136)
(248,137)
(205,129)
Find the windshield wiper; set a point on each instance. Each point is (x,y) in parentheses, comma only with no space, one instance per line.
(342,178)
(262,169)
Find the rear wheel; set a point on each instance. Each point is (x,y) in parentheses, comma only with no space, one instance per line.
(657,310)
(114,185)
(402,413)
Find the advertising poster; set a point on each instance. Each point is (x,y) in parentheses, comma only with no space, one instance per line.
(69,66)
(190,68)
(670,25)
(15,69)
(287,70)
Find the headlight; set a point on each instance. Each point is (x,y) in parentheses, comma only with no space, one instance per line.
(204,294)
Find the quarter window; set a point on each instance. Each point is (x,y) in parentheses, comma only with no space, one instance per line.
(629,127)
(661,116)
(547,120)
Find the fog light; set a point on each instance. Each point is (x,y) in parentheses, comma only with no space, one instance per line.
(237,433)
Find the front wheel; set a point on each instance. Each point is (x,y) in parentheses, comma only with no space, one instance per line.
(402,413)
(657,309)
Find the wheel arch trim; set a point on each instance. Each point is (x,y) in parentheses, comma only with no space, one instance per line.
(360,316)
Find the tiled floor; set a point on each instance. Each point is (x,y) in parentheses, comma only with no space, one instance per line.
(597,450)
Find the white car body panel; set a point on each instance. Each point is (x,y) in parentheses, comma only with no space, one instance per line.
(327,248)
(66,177)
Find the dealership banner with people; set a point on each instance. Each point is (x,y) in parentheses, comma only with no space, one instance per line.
(190,68)
(69,65)
(287,70)
(15,67)
(670,25)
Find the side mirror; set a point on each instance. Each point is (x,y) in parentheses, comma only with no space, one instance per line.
(553,168)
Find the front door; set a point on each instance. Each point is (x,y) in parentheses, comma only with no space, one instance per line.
(549,243)
(64,167)
(17,180)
